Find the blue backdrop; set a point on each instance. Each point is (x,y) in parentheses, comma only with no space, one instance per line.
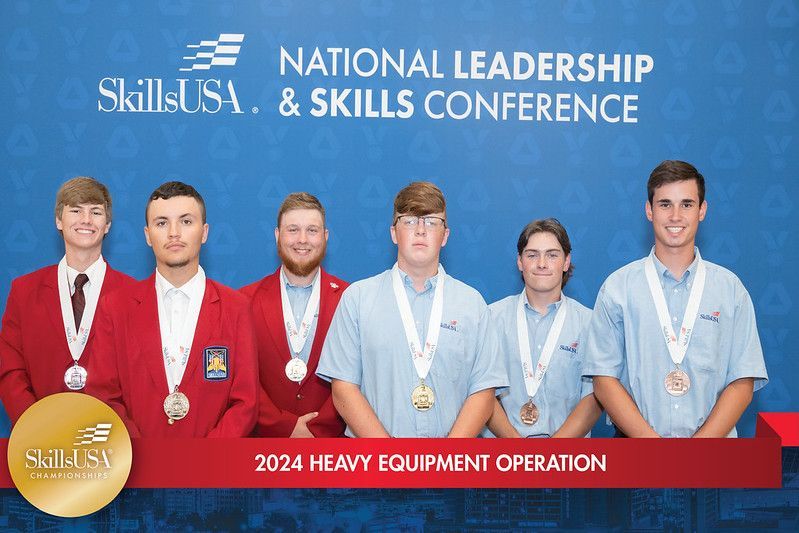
(719,91)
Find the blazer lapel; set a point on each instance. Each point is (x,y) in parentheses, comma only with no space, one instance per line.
(272,309)
(147,333)
(326,310)
(209,322)
(52,304)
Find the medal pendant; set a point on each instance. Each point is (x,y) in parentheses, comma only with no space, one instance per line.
(176,406)
(422,397)
(677,382)
(296,369)
(75,377)
(529,413)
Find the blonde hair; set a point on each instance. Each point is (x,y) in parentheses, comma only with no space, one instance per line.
(82,190)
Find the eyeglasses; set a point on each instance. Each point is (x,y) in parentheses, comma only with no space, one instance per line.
(412,221)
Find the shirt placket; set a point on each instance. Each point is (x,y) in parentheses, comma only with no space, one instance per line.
(676,293)
(421,304)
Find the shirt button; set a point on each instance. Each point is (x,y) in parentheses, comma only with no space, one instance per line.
(676,290)
(674,319)
(539,347)
(676,406)
(299,396)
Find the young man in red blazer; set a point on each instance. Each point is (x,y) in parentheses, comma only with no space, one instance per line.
(176,353)
(47,338)
(292,310)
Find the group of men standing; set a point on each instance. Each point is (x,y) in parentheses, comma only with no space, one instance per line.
(671,348)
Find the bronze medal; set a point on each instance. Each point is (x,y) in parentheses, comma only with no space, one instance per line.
(529,413)
(677,382)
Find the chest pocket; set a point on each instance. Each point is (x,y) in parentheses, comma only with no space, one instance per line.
(704,350)
(450,360)
(563,375)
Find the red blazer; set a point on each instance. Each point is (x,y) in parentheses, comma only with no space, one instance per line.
(282,401)
(33,346)
(128,372)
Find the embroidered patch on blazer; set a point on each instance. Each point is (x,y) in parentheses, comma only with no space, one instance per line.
(216,363)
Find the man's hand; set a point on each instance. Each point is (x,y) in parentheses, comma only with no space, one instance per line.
(301,430)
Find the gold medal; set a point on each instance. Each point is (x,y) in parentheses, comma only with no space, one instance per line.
(422,397)
(677,382)
(529,413)
(176,406)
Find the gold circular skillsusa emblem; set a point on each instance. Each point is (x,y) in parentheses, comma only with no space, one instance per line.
(69,454)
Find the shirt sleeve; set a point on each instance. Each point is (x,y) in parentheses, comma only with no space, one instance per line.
(604,338)
(586,383)
(341,354)
(16,391)
(490,368)
(746,359)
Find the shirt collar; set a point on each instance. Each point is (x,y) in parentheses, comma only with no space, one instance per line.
(93,272)
(554,306)
(192,288)
(429,283)
(287,283)
(664,273)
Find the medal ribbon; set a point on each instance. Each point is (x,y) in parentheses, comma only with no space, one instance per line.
(176,345)
(77,338)
(533,379)
(677,346)
(422,358)
(298,337)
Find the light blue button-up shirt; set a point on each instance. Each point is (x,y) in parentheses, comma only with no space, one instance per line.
(298,298)
(624,340)
(563,386)
(366,345)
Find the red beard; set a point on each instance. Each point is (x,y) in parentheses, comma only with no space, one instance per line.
(304,268)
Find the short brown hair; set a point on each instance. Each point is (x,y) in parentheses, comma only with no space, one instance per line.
(548,225)
(419,198)
(671,171)
(82,190)
(300,200)
(172,189)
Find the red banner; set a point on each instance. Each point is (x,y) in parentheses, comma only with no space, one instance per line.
(472,463)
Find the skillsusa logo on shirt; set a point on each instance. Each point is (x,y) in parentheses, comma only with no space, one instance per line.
(452,325)
(571,347)
(712,317)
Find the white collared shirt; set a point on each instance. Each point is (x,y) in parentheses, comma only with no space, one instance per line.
(96,274)
(176,300)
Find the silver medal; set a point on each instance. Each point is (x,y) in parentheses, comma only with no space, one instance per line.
(296,369)
(75,377)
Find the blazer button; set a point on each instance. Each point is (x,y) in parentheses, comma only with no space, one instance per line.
(299,396)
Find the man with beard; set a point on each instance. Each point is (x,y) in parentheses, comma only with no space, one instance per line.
(47,337)
(292,309)
(176,352)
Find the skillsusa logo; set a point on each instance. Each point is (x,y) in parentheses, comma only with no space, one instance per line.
(182,94)
(68,444)
(572,348)
(223,52)
(712,317)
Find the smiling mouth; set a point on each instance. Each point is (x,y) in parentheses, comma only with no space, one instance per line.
(674,229)
(85,231)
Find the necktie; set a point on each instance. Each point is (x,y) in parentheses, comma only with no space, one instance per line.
(79,299)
